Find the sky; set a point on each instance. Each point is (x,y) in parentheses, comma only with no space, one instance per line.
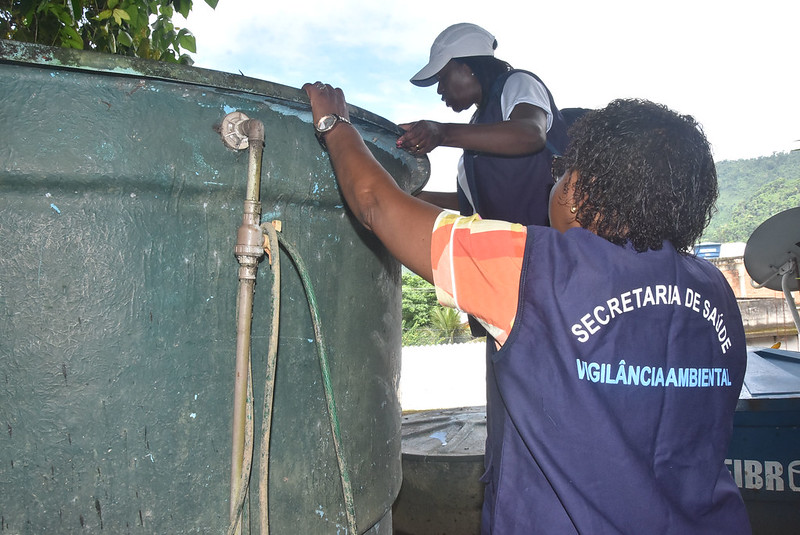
(731,64)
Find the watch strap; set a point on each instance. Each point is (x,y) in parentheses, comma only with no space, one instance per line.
(321,133)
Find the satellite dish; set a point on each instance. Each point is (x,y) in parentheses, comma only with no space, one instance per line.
(773,251)
(772,256)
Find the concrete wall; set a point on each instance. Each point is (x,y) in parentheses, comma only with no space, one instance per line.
(766,315)
(768,321)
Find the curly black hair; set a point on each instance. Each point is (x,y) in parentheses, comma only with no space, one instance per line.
(645,174)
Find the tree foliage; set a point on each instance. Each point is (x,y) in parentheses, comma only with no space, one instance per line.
(419,299)
(425,321)
(140,28)
(448,322)
(752,191)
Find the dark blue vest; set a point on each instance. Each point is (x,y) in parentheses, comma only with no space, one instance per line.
(513,189)
(610,407)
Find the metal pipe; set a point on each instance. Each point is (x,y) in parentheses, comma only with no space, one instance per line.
(244,320)
(255,136)
(786,272)
(787,293)
(240,132)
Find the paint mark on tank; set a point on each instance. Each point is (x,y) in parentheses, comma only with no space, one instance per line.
(441,436)
(99,512)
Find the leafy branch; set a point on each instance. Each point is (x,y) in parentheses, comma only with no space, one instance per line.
(140,28)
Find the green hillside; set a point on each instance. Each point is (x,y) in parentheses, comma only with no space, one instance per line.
(750,192)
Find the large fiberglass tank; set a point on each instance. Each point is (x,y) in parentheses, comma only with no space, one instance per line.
(119,209)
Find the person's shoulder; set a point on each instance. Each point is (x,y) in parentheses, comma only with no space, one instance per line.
(522,76)
(547,238)
(518,81)
(578,235)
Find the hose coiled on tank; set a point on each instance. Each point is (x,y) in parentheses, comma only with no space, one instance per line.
(333,417)
(274,241)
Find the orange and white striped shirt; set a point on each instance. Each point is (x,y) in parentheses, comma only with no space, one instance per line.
(476,268)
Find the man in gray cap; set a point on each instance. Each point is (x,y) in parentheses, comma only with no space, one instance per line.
(505,171)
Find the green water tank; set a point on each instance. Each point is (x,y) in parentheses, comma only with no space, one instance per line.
(119,206)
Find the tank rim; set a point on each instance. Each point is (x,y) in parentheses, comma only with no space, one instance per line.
(86,60)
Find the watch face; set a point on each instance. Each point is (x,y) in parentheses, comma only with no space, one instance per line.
(326,123)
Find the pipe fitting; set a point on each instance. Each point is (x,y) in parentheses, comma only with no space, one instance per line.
(238,131)
(254,129)
(249,246)
(232,131)
(249,243)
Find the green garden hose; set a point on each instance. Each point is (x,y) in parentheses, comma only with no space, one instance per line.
(333,417)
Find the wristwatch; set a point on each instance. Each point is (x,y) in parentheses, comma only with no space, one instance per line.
(326,123)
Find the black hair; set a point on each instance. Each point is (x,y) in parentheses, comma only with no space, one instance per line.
(487,69)
(645,174)
(571,115)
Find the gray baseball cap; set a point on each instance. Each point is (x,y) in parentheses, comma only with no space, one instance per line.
(461,40)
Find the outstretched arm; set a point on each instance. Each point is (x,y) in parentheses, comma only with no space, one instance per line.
(402,222)
(525,132)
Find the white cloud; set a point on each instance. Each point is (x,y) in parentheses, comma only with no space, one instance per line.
(732,65)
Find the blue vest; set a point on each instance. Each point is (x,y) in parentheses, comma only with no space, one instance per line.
(610,407)
(513,189)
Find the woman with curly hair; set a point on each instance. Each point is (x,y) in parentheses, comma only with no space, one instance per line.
(617,357)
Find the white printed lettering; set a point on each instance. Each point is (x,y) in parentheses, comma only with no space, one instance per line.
(794,476)
(657,295)
(602,320)
(752,475)
(580,334)
(589,324)
(626,302)
(772,476)
(613,307)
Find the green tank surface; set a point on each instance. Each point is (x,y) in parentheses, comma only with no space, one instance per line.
(119,210)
